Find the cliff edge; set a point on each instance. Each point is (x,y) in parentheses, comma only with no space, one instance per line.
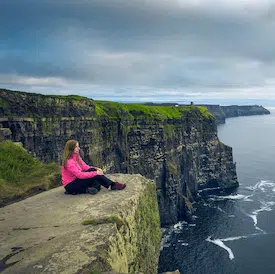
(56,233)
(222,112)
(176,147)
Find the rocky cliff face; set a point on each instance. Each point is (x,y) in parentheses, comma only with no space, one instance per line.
(223,112)
(234,111)
(176,147)
(217,112)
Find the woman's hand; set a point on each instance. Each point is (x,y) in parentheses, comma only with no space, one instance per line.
(99,172)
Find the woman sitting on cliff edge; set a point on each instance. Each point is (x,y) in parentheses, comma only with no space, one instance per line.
(78,177)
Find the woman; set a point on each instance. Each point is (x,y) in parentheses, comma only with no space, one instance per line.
(78,177)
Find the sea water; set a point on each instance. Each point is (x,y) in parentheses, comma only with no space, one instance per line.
(232,233)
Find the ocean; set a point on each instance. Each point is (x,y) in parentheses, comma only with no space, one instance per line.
(232,233)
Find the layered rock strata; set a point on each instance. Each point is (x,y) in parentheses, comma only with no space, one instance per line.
(176,147)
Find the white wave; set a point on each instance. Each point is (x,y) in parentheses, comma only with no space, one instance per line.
(191,224)
(231,216)
(262,185)
(270,203)
(234,197)
(206,189)
(260,229)
(250,187)
(167,233)
(183,243)
(220,242)
(266,206)
(221,210)
(179,225)
(239,237)
(231,197)
(222,245)
(247,198)
(255,219)
(234,238)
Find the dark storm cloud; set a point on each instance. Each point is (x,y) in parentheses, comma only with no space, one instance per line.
(159,44)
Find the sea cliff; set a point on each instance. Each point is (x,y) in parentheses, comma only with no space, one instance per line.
(177,147)
(222,112)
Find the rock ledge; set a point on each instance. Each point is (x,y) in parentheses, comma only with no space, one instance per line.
(45,233)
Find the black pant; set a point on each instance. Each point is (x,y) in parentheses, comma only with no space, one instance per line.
(80,185)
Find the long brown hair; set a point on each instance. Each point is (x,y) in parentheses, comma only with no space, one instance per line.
(69,152)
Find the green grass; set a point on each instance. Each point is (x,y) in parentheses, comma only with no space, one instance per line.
(114,219)
(22,175)
(69,97)
(131,111)
(110,109)
(205,112)
(65,97)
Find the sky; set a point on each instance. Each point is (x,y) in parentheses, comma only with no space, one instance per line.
(205,51)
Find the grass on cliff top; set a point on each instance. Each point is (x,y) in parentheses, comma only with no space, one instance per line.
(21,175)
(64,97)
(131,111)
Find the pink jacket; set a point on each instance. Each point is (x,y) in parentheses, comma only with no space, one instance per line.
(74,171)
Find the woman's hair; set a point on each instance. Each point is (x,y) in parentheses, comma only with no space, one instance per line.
(69,151)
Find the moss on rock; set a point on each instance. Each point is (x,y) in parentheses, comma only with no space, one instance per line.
(134,248)
(113,219)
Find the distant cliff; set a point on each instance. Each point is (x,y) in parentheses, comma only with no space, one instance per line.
(177,147)
(223,112)
(234,111)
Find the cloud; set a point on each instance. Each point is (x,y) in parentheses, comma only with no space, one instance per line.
(106,48)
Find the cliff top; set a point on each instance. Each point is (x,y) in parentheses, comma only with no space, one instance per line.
(24,104)
(120,110)
(46,232)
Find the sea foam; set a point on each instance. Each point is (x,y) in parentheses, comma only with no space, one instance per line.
(220,243)
(230,197)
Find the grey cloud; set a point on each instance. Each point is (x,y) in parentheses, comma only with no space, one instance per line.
(122,25)
(24,67)
(157,43)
